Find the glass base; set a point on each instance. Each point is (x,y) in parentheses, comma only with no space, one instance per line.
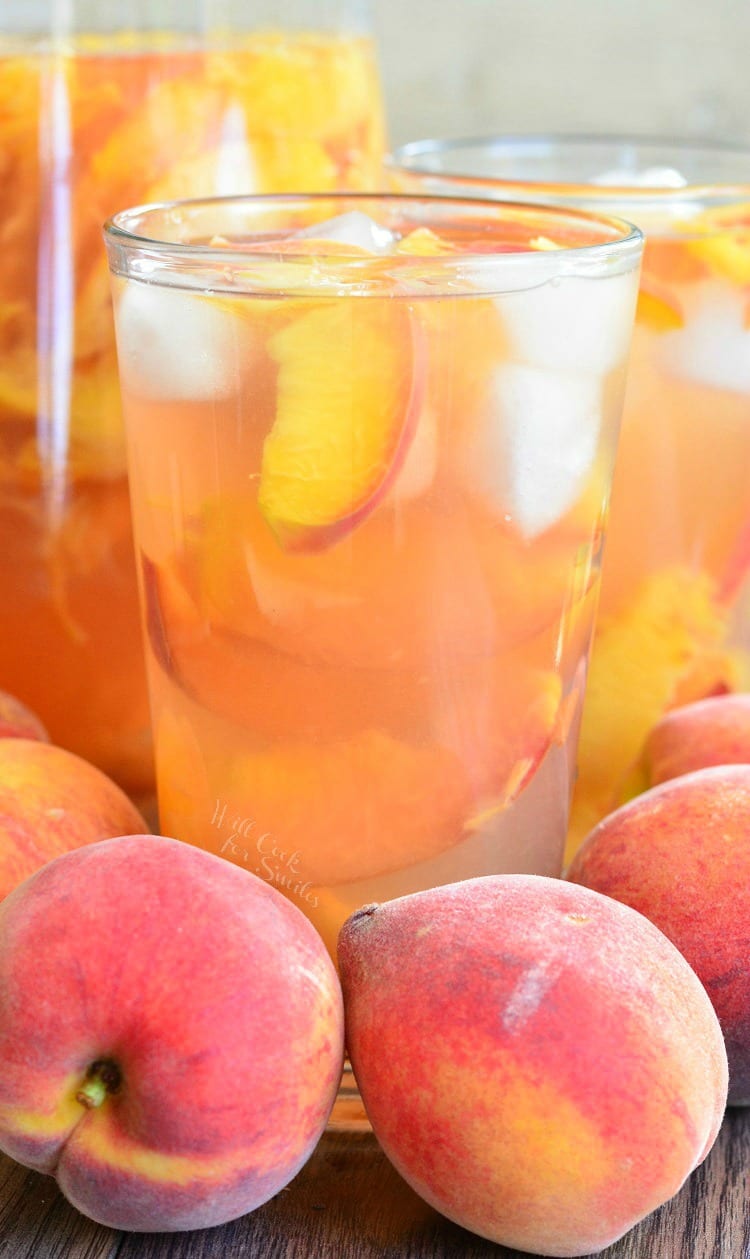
(348,1114)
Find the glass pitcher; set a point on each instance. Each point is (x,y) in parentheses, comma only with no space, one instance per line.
(105,104)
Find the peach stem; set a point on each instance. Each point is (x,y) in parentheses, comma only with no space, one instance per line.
(102,1078)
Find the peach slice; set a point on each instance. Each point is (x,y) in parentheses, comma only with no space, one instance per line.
(424,243)
(303,815)
(256,684)
(350,809)
(357,808)
(657,310)
(350,385)
(670,262)
(496,713)
(725,247)
(346,789)
(639,660)
(309,85)
(409,588)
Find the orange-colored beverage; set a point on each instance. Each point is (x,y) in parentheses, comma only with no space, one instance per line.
(87,126)
(369,527)
(673,623)
(674,616)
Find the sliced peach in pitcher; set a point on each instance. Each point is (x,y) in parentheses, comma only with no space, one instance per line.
(94,330)
(308,85)
(639,661)
(180,116)
(96,434)
(284,163)
(349,392)
(18,383)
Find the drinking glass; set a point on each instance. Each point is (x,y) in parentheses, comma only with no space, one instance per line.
(370,448)
(103,105)
(674,623)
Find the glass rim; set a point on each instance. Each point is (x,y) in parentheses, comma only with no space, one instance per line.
(118,229)
(405,159)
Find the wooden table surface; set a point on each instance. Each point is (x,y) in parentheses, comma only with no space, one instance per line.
(348,1203)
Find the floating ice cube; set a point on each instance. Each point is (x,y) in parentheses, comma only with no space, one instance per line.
(572,324)
(651,177)
(713,348)
(537,444)
(175,344)
(353,228)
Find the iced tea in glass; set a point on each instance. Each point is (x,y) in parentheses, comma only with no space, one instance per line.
(370,447)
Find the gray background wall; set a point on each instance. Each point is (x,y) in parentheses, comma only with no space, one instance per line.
(676,67)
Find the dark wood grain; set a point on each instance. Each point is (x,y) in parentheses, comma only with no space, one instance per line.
(349,1203)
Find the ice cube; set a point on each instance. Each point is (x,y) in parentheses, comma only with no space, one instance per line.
(532,455)
(175,344)
(651,177)
(713,348)
(572,324)
(353,228)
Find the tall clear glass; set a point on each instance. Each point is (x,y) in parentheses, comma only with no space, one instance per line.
(674,621)
(102,105)
(370,449)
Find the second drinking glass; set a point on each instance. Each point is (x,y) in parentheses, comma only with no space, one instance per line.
(674,622)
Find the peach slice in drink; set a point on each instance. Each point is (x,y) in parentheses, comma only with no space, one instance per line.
(351,808)
(350,386)
(474,585)
(355,808)
(257,685)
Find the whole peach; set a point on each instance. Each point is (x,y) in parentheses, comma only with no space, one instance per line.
(17,720)
(537,1060)
(713,731)
(171,1033)
(680,854)
(50,802)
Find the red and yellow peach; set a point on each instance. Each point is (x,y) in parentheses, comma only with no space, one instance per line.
(679,854)
(538,1061)
(171,1033)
